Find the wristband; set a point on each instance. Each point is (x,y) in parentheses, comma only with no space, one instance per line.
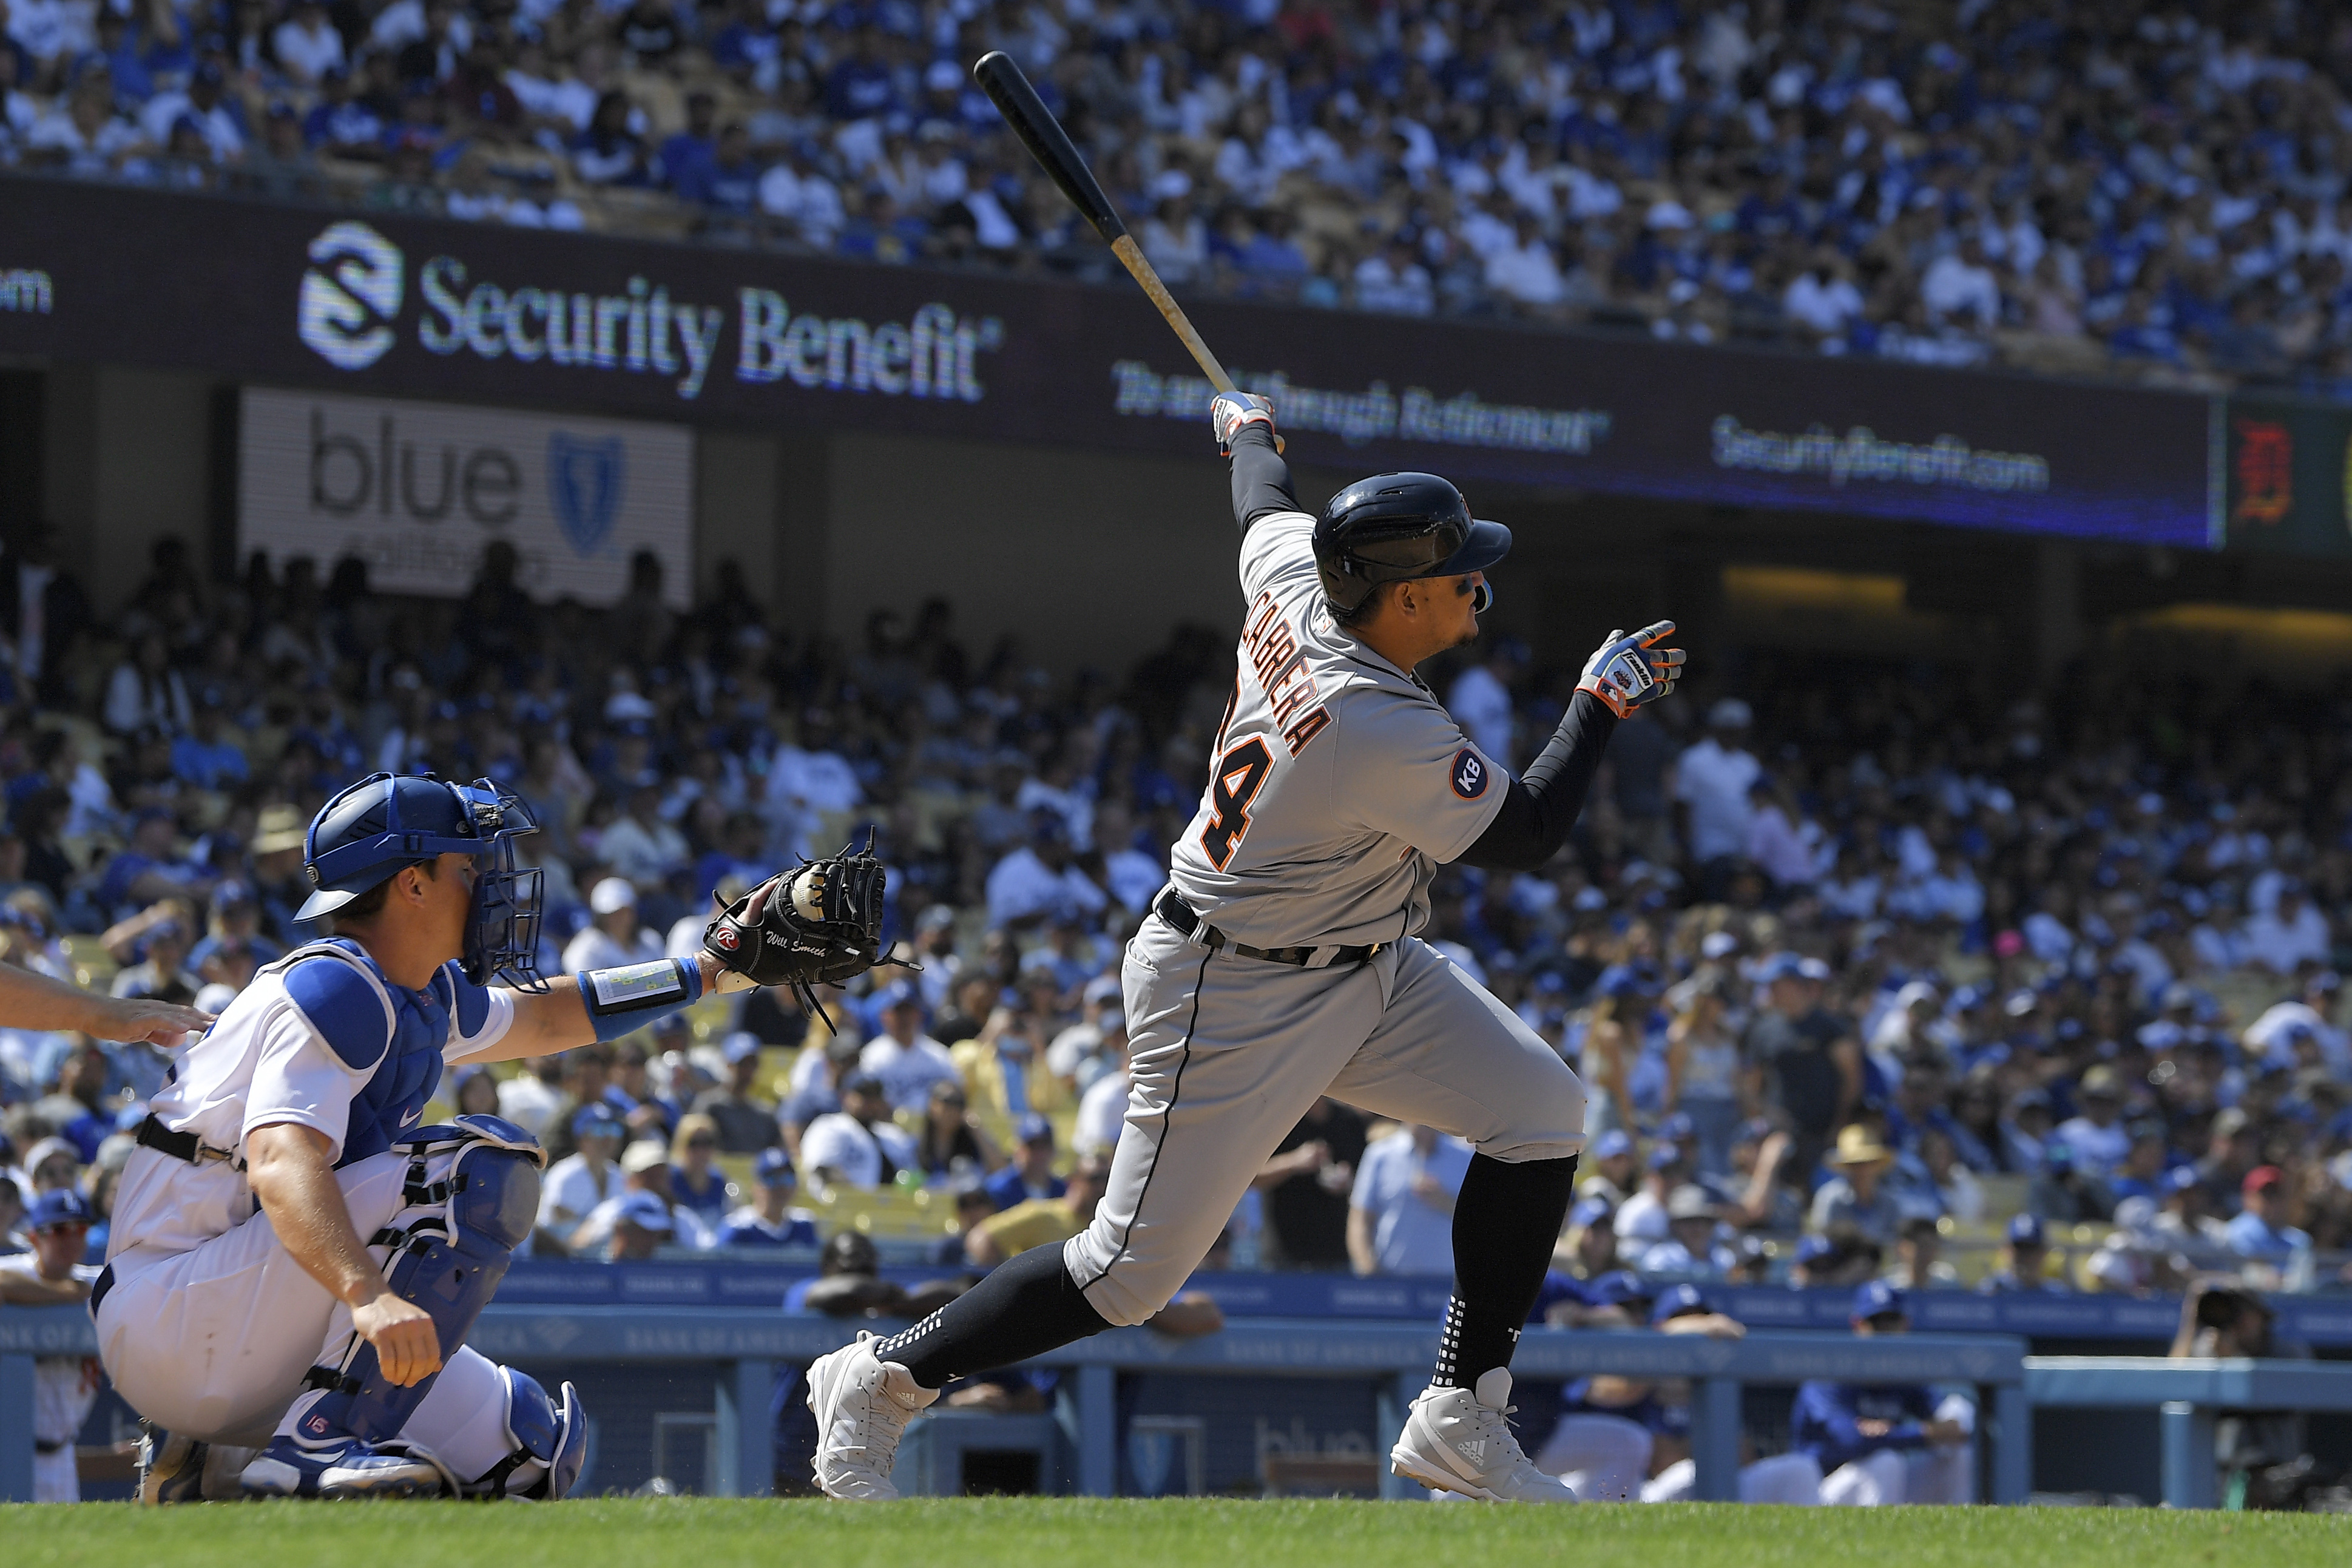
(623,1001)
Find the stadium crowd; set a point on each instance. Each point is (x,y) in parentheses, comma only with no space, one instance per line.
(2155,190)
(1882,969)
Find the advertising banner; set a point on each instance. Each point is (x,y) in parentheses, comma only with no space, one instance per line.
(417,489)
(396,307)
(2287,477)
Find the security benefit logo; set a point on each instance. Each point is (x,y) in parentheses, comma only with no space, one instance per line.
(419,490)
(351,296)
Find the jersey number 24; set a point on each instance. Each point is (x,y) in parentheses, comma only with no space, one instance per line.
(1240,775)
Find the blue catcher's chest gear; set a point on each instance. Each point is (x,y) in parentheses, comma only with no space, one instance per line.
(332,982)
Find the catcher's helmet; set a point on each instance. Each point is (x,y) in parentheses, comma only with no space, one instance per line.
(1393,526)
(373,829)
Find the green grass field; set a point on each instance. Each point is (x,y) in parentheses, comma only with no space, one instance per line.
(1026,1533)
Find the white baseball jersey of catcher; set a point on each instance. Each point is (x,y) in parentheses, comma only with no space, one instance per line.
(1340,784)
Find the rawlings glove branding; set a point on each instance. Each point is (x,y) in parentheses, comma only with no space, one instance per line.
(818,925)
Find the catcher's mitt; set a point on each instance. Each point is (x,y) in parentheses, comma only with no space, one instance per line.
(817,925)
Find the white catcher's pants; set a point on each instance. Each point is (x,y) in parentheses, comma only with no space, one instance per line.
(1226,1053)
(1601,1458)
(1794,1479)
(214,1342)
(1894,1475)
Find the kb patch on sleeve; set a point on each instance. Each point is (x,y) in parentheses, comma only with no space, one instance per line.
(1469,774)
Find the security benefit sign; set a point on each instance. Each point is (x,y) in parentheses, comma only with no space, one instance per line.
(2287,477)
(418,490)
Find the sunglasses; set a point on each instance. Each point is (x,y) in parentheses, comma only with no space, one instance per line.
(702,1143)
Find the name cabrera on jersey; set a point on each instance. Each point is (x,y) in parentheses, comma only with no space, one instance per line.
(1339,783)
(321,1039)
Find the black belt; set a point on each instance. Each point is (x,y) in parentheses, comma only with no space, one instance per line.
(43,1445)
(1170,907)
(181,1146)
(105,1282)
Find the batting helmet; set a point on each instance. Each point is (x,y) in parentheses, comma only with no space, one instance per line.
(1394,526)
(372,829)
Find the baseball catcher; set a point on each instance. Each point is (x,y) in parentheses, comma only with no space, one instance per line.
(295,1262)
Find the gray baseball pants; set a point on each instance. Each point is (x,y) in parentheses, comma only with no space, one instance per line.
(1227,1053)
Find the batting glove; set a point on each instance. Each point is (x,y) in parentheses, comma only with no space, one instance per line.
(1630,673)
(1229,411)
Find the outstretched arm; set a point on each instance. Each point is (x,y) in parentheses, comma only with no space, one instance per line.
(36,1001)
(1243,424)
(1623,674)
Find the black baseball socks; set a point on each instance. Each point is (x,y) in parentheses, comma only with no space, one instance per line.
(1023,1308)
(1505,1221)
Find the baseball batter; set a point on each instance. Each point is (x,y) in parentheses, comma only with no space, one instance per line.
(1281,964)
(294,1262)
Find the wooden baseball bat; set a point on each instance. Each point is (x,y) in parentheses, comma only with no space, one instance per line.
(1047,142)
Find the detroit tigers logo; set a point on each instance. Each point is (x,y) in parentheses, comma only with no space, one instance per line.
(1469,774)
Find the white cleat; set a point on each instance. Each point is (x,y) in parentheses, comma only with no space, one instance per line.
(1456,1440)
(862,1405)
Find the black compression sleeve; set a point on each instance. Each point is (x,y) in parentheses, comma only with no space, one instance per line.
(1261,479)
(1543,803)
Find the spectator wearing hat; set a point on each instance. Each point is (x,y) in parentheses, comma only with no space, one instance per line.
(644,1172)
(2185,1214)
(1642,1219)
(746,1123)
(639,1225)
(857,1146)
(1038,1221)
(1030,1176)
(2098,1135)
(815,1086)
(1856,1198)
(1039,881)
(277,878)
(1710,793)
(906,1060)
(576,1183)
(1306,1185)
(1614,1168)
(1102,1104)
(696,1181)
(233,945)
(611,938)
(1076,1053)
(64,1386)
(1882,1443)
(2259,1233)
(1691,1247)
(1615,1030)
(1588,1244)
(1811,1059)
(770,1219)
(1706,1079)
(949,1142)
(2024,1264)
(162,972)
(1401,1210)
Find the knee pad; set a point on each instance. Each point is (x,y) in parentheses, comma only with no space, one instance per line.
(471,1191)
(549,1442)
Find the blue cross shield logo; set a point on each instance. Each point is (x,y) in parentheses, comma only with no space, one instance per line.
(584,480)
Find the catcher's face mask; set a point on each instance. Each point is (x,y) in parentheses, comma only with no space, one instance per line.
(502,933)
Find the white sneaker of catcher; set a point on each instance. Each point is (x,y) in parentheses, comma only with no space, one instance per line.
(862,1405)
(1457,1440)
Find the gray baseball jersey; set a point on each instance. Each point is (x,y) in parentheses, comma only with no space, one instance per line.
(1339,785)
